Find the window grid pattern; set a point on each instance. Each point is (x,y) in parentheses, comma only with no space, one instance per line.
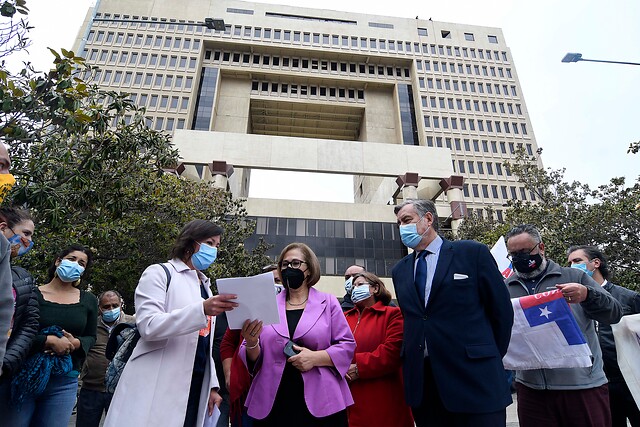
(338,244)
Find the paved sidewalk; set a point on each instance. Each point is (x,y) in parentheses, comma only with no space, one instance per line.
(512,416)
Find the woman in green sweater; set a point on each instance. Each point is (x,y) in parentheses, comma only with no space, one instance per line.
(68,319)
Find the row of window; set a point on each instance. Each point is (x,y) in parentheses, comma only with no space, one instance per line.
(159,123)
(446,34)
(459,104)
(482,213)
(477,146)
(512,192)
(468,86)
(364,43)
(160,102)
(488,126)
(305,64)
(141,59)
(459,68)
(319,39)
(139,79)
(143,40)
(162,25)
(320,92)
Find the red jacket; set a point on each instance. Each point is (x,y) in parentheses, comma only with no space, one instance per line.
(378,392)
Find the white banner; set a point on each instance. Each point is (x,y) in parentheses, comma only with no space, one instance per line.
(627,337)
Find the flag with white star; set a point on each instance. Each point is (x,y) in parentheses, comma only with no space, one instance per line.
(545,335)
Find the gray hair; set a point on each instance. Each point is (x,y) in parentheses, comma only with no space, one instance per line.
(422,207)
(531,230)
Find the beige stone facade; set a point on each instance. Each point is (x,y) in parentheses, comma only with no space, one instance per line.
(290,88)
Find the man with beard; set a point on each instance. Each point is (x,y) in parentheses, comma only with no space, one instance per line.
(593,262)
(564,397)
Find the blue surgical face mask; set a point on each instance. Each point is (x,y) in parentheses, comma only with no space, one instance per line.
(111,315)
(16,239)
(348,285)
(69,271)
(583,267)
(409,234)
(360,293)
(205,256)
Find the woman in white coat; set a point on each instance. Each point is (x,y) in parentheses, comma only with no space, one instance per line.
(170,379)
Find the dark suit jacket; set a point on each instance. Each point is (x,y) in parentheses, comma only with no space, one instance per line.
(466,324)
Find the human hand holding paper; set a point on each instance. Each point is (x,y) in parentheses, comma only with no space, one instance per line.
(255,299)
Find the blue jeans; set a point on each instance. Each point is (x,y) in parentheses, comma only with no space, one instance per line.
(91,405)
(51,409)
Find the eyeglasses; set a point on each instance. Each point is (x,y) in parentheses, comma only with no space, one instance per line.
(296,263)
(523,252)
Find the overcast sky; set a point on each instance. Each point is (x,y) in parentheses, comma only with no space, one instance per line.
(584,114)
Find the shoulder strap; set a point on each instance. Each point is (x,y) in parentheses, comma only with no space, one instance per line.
(166,270)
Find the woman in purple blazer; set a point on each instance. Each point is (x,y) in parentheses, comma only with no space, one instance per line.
(307,388)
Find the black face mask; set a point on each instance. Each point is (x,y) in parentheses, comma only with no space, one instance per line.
(525,263)
(292,277)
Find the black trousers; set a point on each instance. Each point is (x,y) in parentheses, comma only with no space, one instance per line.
(191,418)
(622,405)
(432,413)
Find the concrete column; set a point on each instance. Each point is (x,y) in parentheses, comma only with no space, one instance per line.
(220,173)
(408,185)
(452,188)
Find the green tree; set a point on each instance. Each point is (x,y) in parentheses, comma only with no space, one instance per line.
(572,214)
(92,172)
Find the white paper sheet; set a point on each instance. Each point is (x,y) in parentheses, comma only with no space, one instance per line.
(211,421)
(256,299)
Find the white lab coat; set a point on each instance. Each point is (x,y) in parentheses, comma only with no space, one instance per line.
(154,387)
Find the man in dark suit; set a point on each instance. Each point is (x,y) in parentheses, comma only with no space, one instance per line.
(457,325)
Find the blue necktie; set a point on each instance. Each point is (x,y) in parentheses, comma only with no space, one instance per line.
(421,275)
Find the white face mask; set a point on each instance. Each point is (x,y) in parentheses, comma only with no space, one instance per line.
(360,293)
(348,285)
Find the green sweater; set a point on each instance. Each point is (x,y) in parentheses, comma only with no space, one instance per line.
(79,319)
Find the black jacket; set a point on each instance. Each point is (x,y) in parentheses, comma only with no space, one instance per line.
(630,302)
(25,321)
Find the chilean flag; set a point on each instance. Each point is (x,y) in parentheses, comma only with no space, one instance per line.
(499,252)
(545,335)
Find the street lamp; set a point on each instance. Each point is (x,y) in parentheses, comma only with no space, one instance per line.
(575,57)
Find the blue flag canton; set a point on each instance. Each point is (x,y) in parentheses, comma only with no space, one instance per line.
(557,311)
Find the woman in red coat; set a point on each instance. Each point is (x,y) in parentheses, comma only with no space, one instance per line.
(374,377)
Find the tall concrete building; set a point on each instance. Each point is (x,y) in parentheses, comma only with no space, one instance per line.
(408,107)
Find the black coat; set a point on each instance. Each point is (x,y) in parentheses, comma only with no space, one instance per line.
(630,302)
(25,321)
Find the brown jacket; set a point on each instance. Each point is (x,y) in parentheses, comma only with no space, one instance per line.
(95,366)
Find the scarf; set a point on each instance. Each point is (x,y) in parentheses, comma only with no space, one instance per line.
(34,375)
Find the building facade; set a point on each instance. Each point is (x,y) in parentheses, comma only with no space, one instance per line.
(408,107)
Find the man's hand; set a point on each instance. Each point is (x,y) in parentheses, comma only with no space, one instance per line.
(574,293)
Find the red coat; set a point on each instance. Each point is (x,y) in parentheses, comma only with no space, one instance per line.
(378,392)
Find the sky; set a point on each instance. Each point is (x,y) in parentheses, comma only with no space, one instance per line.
(584,114)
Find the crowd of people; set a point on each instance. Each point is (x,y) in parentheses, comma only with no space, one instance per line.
(434,358)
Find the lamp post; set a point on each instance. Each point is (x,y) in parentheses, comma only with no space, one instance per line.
(575,57)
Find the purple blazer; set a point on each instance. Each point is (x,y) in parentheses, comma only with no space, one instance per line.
(321,327)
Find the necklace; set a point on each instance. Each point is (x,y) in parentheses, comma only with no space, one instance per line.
(297,305)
